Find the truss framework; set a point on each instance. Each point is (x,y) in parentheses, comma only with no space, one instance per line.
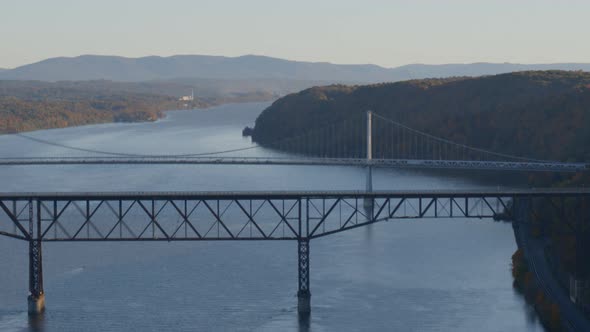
(235,216)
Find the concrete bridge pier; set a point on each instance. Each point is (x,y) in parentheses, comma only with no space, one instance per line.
(36,299)
(36,304)
(303,293)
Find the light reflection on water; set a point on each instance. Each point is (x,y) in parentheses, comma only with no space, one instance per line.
(427,275)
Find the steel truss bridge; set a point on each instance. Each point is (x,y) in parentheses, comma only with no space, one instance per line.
(268,216)
(237,216)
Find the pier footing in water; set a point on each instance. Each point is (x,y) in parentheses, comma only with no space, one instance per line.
(36,304)
(303,302)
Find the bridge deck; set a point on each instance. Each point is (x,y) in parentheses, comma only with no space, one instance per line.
(162,195)
(393,163)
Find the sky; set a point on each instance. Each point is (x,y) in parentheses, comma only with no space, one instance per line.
(383,32)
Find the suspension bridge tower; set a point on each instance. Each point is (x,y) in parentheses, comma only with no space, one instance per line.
(368,202)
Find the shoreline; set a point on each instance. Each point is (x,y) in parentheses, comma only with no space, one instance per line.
(535,281)
(162,115)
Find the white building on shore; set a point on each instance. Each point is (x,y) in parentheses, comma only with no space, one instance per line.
(188,98)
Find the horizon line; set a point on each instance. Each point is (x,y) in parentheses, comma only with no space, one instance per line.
(295,60)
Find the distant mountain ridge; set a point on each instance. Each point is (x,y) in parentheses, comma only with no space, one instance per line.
(248,67)
(421,71)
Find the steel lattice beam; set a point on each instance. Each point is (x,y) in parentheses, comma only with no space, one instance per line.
(235,216)
(212,216)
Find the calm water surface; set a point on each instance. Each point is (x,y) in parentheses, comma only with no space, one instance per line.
(426,275)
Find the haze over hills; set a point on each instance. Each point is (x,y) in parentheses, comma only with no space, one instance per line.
(204,89)
(248,67)
(93,67)
(420,71)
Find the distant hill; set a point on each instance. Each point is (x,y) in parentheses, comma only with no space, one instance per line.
(248,67)
(25,106)
(204,89)
(93,67)
(419,71)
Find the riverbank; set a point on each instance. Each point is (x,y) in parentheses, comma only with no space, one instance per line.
(527,285)
(534,279)
(35,105)
(21,115)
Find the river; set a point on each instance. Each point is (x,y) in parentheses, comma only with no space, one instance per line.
(421,275)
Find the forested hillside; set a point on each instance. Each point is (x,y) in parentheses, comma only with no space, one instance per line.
(538,114)
(35,105)
(30,105)
(18,115)
(207,92)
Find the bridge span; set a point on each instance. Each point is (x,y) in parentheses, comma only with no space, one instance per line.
(360,162)
(300,216)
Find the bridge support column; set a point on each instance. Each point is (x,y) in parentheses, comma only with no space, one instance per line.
(303,293)
(36,299)
(368,202)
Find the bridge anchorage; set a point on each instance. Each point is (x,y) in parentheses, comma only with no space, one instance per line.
(284,216)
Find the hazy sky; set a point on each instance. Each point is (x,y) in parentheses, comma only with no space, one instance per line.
(387,32)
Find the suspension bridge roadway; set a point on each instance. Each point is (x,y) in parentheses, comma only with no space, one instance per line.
(362,162)
(270,195)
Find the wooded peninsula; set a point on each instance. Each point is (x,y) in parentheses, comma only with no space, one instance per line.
(33,105)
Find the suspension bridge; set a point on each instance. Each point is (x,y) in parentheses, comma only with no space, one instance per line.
(343,143)
(287,216)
